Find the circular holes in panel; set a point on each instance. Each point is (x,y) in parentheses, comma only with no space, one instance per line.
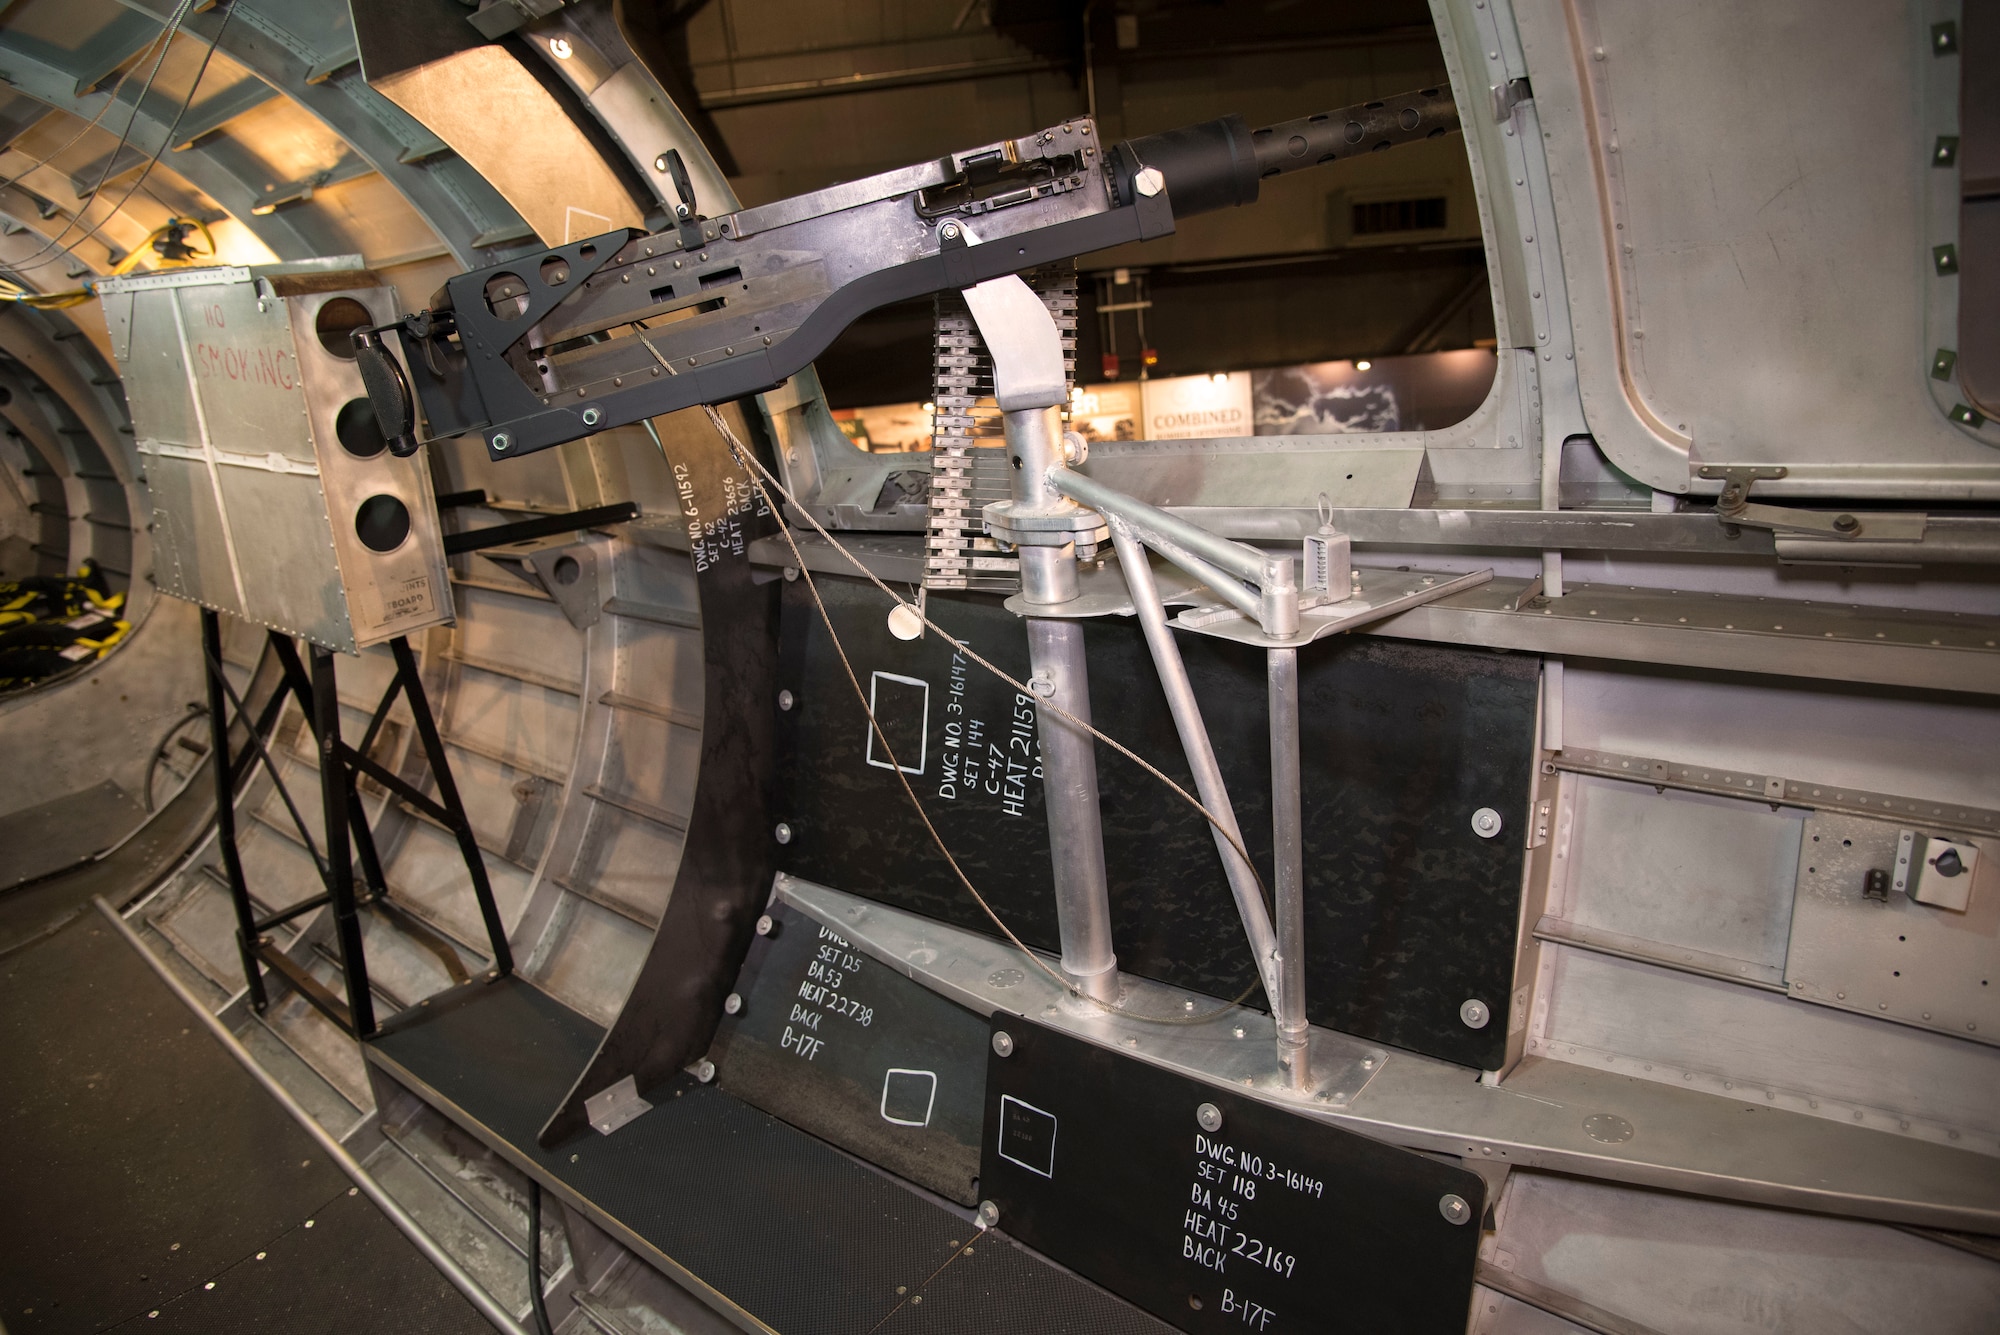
(336,320)
(566,571)
(555,271)
(382,523)
(358,431)
(506,296)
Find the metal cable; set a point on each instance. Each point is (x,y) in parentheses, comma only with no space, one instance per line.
(152,161)
(166,30)
(759,479)
(536,1299)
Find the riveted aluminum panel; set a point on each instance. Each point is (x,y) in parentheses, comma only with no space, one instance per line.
(1740,294)
(391,592)
(239,402)
(190,559)
(1892,958)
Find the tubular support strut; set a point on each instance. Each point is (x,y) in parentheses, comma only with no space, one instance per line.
(1201,759)
(1288,864)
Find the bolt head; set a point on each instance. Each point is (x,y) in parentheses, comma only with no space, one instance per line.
(1486,822)
(1208,1117)
(704,1070)
(1475,1014)
(1455,1209)
(766,925)
(949,231)
(1149,182)
(1003,1042)
(989,1214)
(783,833)
(732,1004)
(502,442)
(593,415)
(786,700)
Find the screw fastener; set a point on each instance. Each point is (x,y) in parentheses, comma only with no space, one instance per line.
(1208,1117)
(1475,1014)
(732,1004)
(1454,1208)
(783,833)
(1003,1042)
(1486,822)
(704,1070)
(593,415)
(502,442)
(766,925)
(989,1214)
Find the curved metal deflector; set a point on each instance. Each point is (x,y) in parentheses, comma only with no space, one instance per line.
(727,860)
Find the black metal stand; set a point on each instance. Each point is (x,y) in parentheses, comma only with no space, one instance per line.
(344,821)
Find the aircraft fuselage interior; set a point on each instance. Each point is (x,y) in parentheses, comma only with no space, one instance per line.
(1000,667)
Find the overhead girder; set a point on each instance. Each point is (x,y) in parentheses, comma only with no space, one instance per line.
(124,37)
(203,118)
(452,198)
(33,211)
(225,180)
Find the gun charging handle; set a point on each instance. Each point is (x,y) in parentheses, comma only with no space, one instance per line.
(388,390)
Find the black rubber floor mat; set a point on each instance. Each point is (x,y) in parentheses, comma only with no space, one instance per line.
(342,1269)
(64,832)
(806,1239)
(143,1162)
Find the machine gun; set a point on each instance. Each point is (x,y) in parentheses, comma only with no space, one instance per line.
(598,333)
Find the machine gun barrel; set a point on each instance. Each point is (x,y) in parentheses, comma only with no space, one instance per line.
(1218,164)
(598,333)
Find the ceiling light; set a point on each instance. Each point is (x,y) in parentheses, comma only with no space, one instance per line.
(1363,364)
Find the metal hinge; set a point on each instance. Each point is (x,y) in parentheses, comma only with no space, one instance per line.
(1508,95)
(1734,506)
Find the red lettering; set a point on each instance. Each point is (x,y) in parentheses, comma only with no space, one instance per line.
(273,368)
(265,366)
